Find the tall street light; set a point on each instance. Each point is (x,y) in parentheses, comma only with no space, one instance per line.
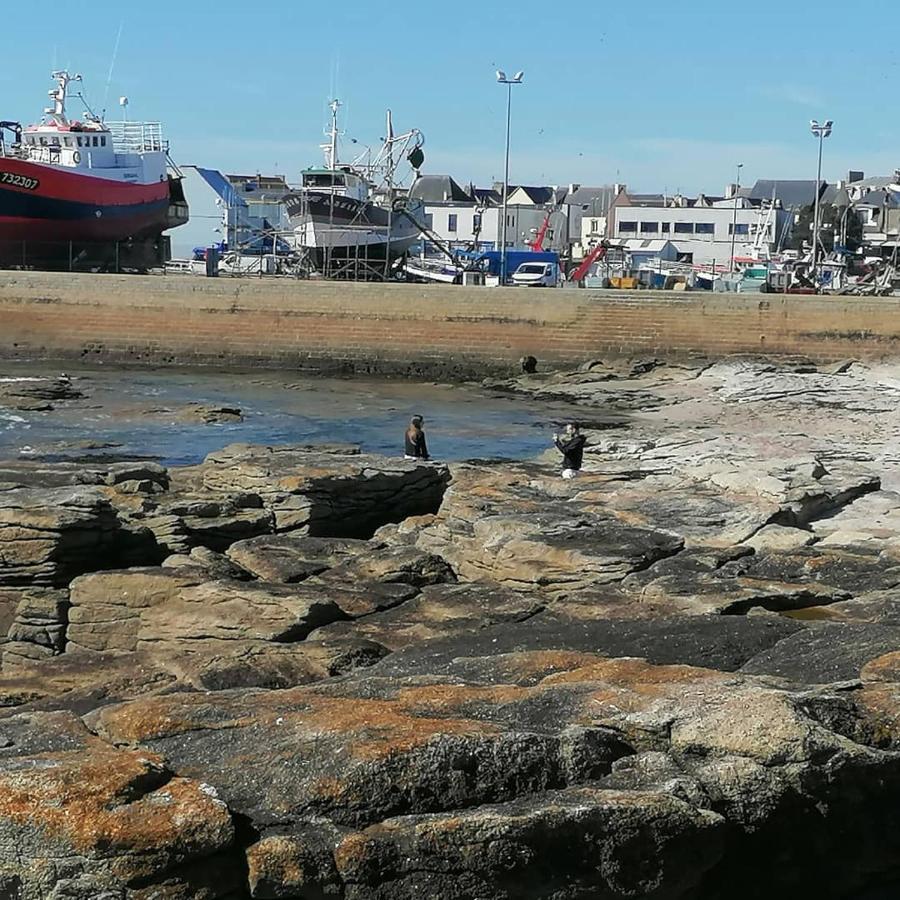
(509,82)
(737,196)
(821,132)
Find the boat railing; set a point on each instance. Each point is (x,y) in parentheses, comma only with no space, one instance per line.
(137,137)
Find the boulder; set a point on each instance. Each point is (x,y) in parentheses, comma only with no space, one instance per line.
(50,535)
(288,558)
(86,820)
(39,628)
(341,493)
(602,843)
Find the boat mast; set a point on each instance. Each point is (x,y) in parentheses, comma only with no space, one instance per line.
(58,96)
(332,146)
(390,191)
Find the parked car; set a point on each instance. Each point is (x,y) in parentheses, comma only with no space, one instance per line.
(536,274)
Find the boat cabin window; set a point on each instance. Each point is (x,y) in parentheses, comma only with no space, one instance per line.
(324,179)
(43,142)
(55,141)
(79,141)
(68,141)
(95,140)
(103,142)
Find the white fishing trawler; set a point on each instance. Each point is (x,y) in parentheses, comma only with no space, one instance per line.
(357,211)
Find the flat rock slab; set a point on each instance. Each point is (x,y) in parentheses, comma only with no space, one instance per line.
(825,653)
(715,642)
(439,611)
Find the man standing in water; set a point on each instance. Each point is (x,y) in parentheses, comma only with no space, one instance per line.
(571,445)
(415,439)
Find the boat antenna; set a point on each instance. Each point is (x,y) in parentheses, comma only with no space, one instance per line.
(112,65)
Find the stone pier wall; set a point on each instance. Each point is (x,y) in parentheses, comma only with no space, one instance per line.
(436,331)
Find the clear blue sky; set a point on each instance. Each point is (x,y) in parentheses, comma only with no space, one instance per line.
(659,94)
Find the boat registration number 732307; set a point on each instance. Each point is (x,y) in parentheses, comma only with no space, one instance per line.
(22,181)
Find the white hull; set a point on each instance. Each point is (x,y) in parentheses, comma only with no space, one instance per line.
(442,274)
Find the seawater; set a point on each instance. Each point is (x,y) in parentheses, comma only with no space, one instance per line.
(134,412)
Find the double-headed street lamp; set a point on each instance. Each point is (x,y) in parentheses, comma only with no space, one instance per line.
(509,82)
(821,132)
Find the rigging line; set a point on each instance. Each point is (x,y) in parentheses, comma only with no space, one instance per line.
(112,65)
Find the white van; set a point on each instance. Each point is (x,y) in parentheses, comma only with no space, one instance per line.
(536,274)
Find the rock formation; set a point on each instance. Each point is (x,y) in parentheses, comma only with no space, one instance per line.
(309,672)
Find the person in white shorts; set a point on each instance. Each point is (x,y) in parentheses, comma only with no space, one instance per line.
(571,444)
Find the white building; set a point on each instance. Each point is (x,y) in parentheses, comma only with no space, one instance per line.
(471,218)
(704,230)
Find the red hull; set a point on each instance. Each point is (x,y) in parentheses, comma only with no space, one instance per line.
(48,203)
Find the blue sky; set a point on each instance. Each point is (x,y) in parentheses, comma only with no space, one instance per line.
(658,95)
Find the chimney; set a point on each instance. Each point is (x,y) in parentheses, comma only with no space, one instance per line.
(731,191)
(619,188)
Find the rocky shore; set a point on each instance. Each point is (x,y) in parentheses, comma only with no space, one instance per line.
(307,672)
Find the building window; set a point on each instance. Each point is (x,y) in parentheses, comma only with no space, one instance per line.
(705,228)
(628,227)
(451,222)
(594,224)
(666,226)
(476,222)
(649,227)
(739,230)
(684,228)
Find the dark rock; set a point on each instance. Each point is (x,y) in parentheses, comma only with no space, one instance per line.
(210,415)
(825,653)
(600,844)
(724,643)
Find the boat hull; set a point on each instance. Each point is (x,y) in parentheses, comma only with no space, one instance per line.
(43,203)
(333,227)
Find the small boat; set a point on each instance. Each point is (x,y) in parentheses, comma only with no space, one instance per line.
(430,269)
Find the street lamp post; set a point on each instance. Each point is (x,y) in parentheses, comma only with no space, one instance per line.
(737,196)
(509,82)
(821,132)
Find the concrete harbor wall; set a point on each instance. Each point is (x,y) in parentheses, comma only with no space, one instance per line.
(415,330)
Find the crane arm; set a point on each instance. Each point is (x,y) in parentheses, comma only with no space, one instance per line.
(598,252)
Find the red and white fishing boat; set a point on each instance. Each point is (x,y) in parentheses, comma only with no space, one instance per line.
(85,180)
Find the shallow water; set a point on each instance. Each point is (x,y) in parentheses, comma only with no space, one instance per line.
(135,413)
